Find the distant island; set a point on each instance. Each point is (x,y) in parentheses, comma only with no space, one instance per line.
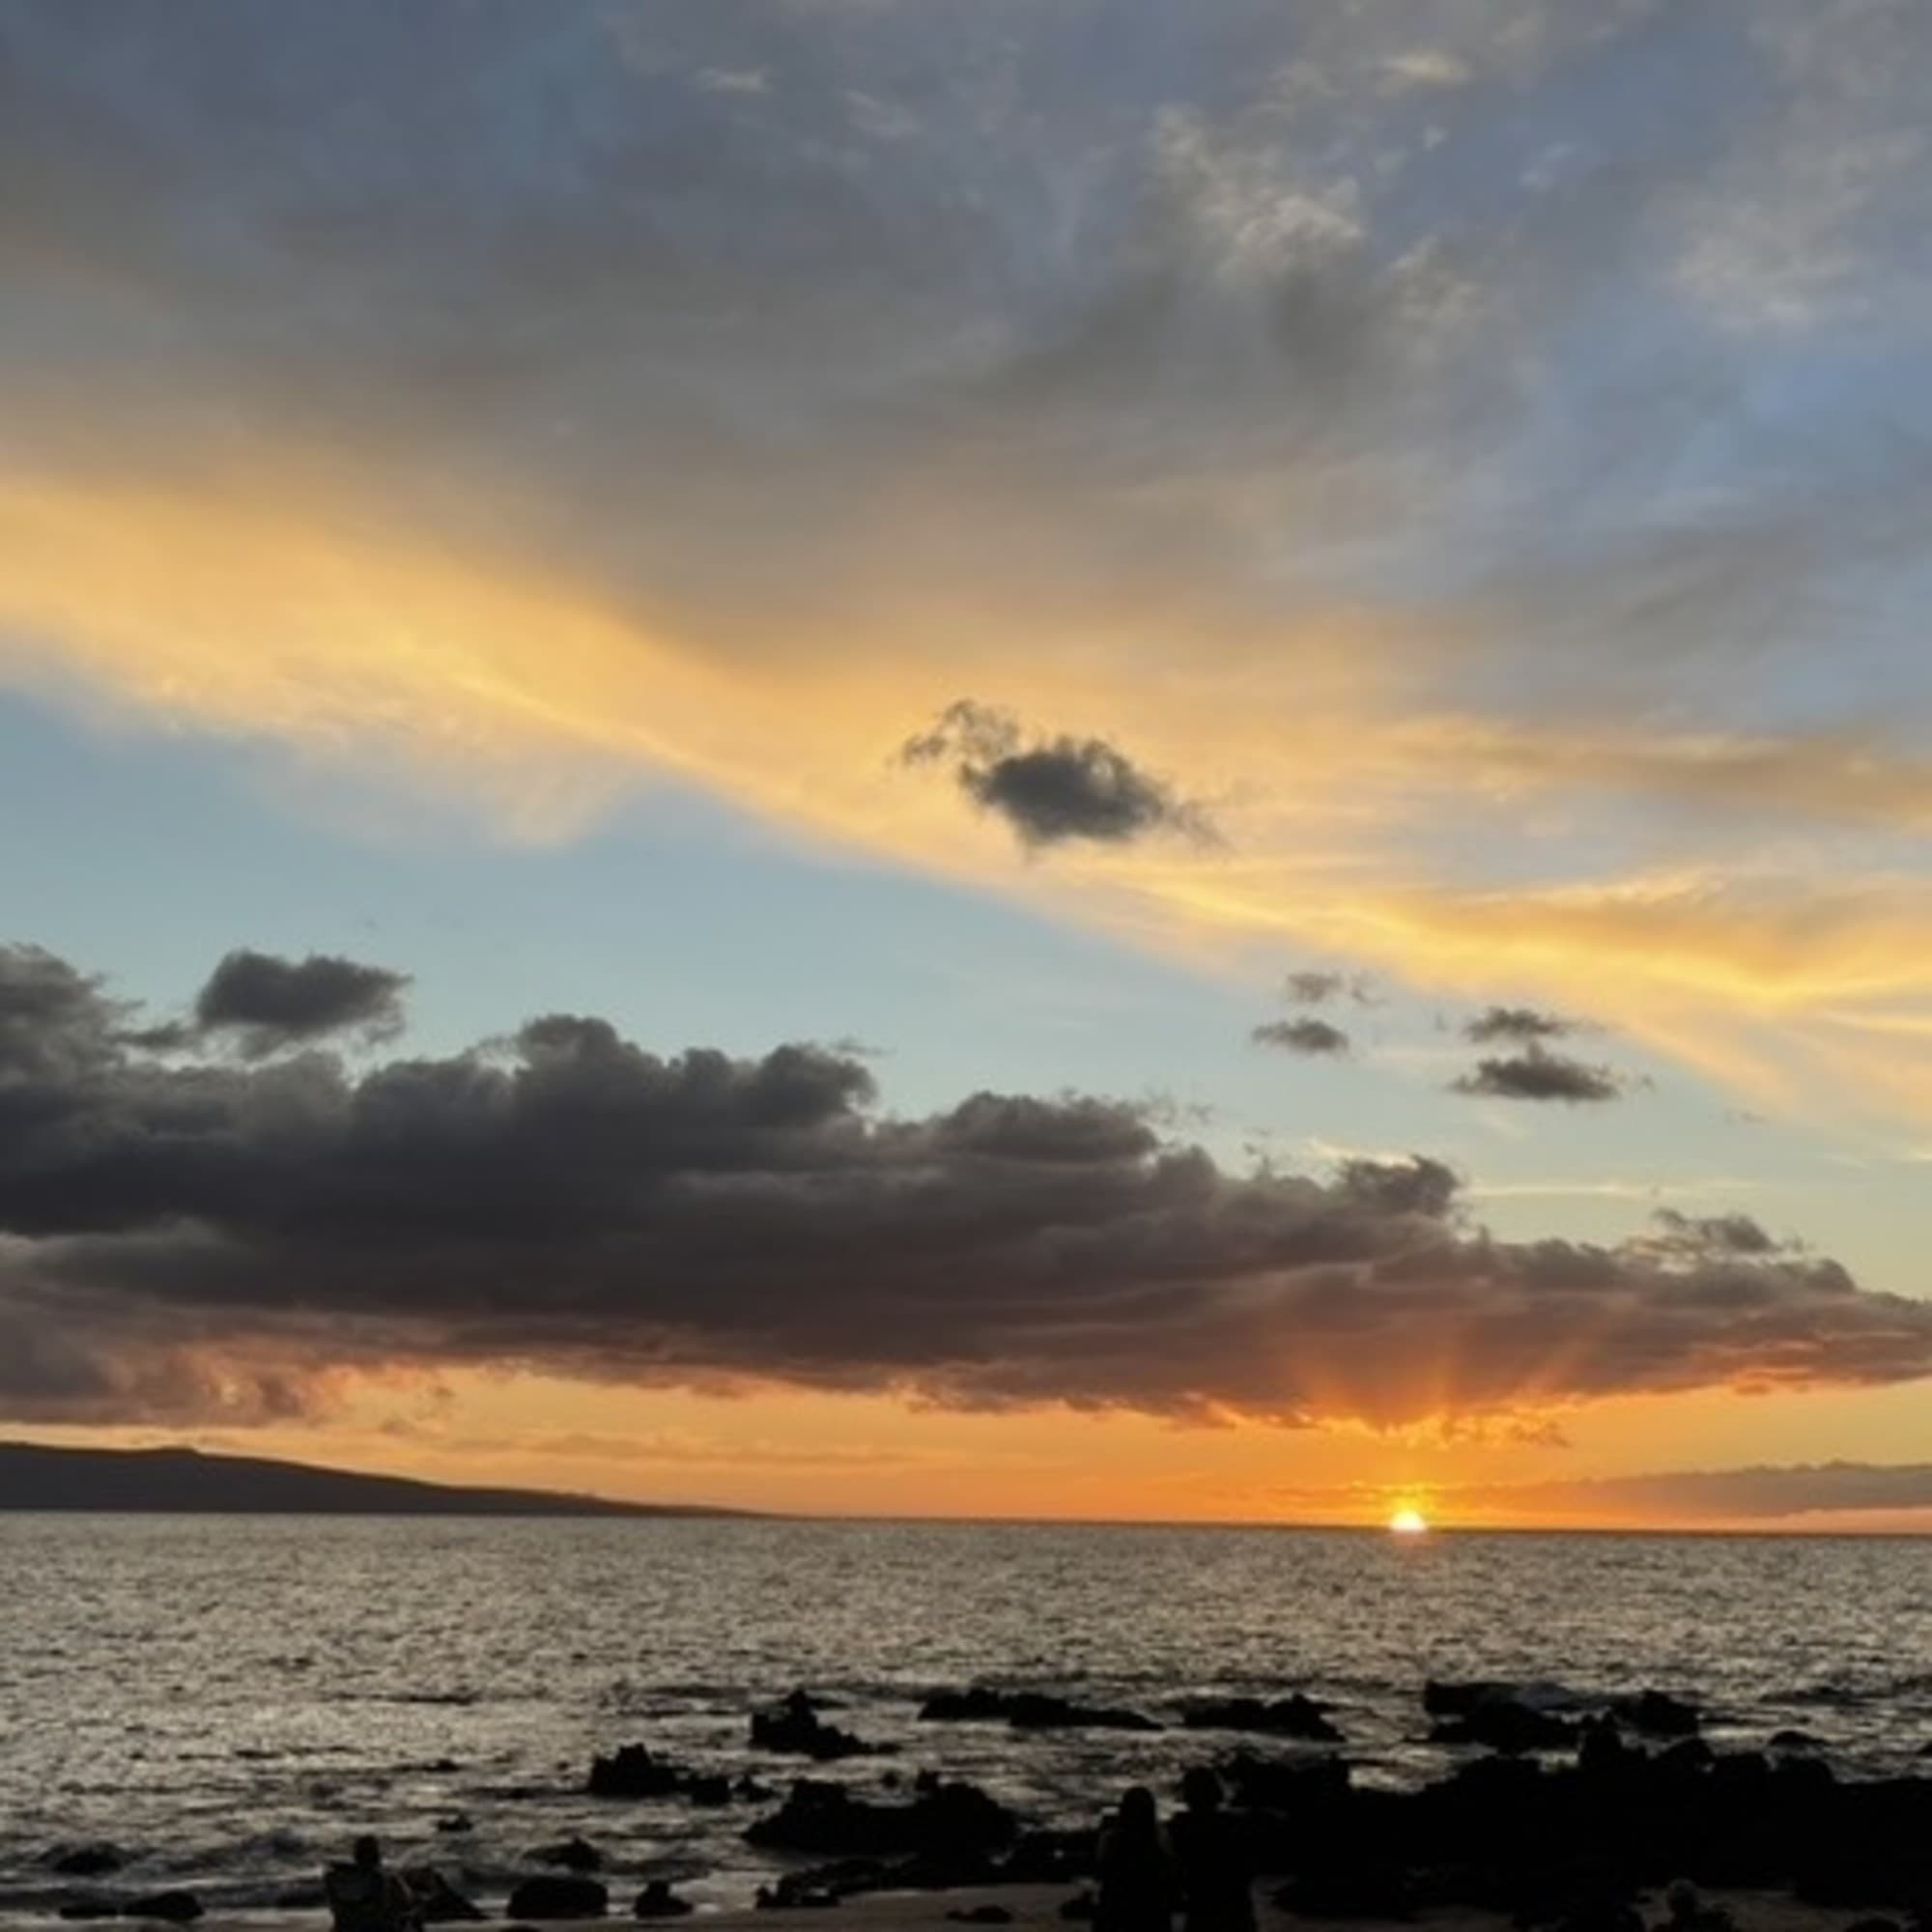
(34,1476)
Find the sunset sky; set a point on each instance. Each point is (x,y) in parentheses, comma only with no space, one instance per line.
(1045,757)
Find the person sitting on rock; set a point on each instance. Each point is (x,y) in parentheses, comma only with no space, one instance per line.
(1136,1871)
(1216,1867)
(365,1896)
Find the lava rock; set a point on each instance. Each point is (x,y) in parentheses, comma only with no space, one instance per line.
(1027,1710)
(795,1726)
(175,1908)
(92,1861)
(632,1771)
(1657,1714)
(945,1819)
(436,1901)
(554,1896)
(572,1854)
(1290,1717)
(658,1900)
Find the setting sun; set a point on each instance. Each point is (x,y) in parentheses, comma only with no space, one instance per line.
(1408,1522)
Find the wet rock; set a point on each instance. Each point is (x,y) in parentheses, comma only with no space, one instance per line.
(1027,1710)
(1301,1788)
(456,1823)
(794,1726)
(1504,1724)
(658,1900)
(90,1860)
(1050,1857)
(1795,1741)
(556,1897)
(1290,1717)
(1079,1910)
(710,1788)
(823,1885)
(945,1819)
(174,1907)
(632,1771)
(1657,1714)
(571,1855)
(1442,1698)
(90,1905)
(437,1902)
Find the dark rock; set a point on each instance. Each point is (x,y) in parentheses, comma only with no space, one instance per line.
(176,1908)
(1443,1699)
(794,1726)
(1875,1925)
(1795,1741)
(1079,1910)
(554,1896)
(1050,1857)
(95,1861)
(90,1905)
(1302,1788)
(1370,1888)
(1290,1717)
(301,1898)
(632,1771)
(946,1820)
(823,1885)
(437,1902)
(1657,1714)
(708,1788)
(1502,1724)
(980,1915)
(1027,1710)
(572,1854)
(456,1822)
(658,1900)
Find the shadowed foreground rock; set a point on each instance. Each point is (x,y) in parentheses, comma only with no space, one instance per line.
(554,1895)
(1509,1835)
(945,1822)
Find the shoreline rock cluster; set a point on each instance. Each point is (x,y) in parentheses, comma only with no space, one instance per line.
(1566,1809)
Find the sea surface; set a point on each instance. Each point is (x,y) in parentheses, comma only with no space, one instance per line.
(230,1700)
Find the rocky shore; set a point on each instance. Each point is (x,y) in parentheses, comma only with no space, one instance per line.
(1571,1814)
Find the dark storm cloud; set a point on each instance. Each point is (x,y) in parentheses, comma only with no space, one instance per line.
(186,1235)
(267,1004)
(1310,1036)
(1516,1023)
(1050,790)
(1538,1074)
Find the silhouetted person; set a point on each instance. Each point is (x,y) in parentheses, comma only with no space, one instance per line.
(1136,1891)
(1211,1850)
(365,1896)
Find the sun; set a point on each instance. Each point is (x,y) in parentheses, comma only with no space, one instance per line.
(1408,1522)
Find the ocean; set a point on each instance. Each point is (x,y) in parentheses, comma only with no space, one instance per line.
(230,1700)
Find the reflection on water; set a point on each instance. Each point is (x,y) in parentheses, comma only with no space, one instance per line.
(233,1697)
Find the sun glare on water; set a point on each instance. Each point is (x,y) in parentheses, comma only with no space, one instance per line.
(1408,1522)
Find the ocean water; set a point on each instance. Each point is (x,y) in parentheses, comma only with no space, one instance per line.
(232,1698)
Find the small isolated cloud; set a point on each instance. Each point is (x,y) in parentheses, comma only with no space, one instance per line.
(1311,1037)
(1516,1023)
(1323,989)
(1051,789)
(733,81)
(267,1004)
(1538,1074)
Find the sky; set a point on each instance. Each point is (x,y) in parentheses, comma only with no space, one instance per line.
(1072,759)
